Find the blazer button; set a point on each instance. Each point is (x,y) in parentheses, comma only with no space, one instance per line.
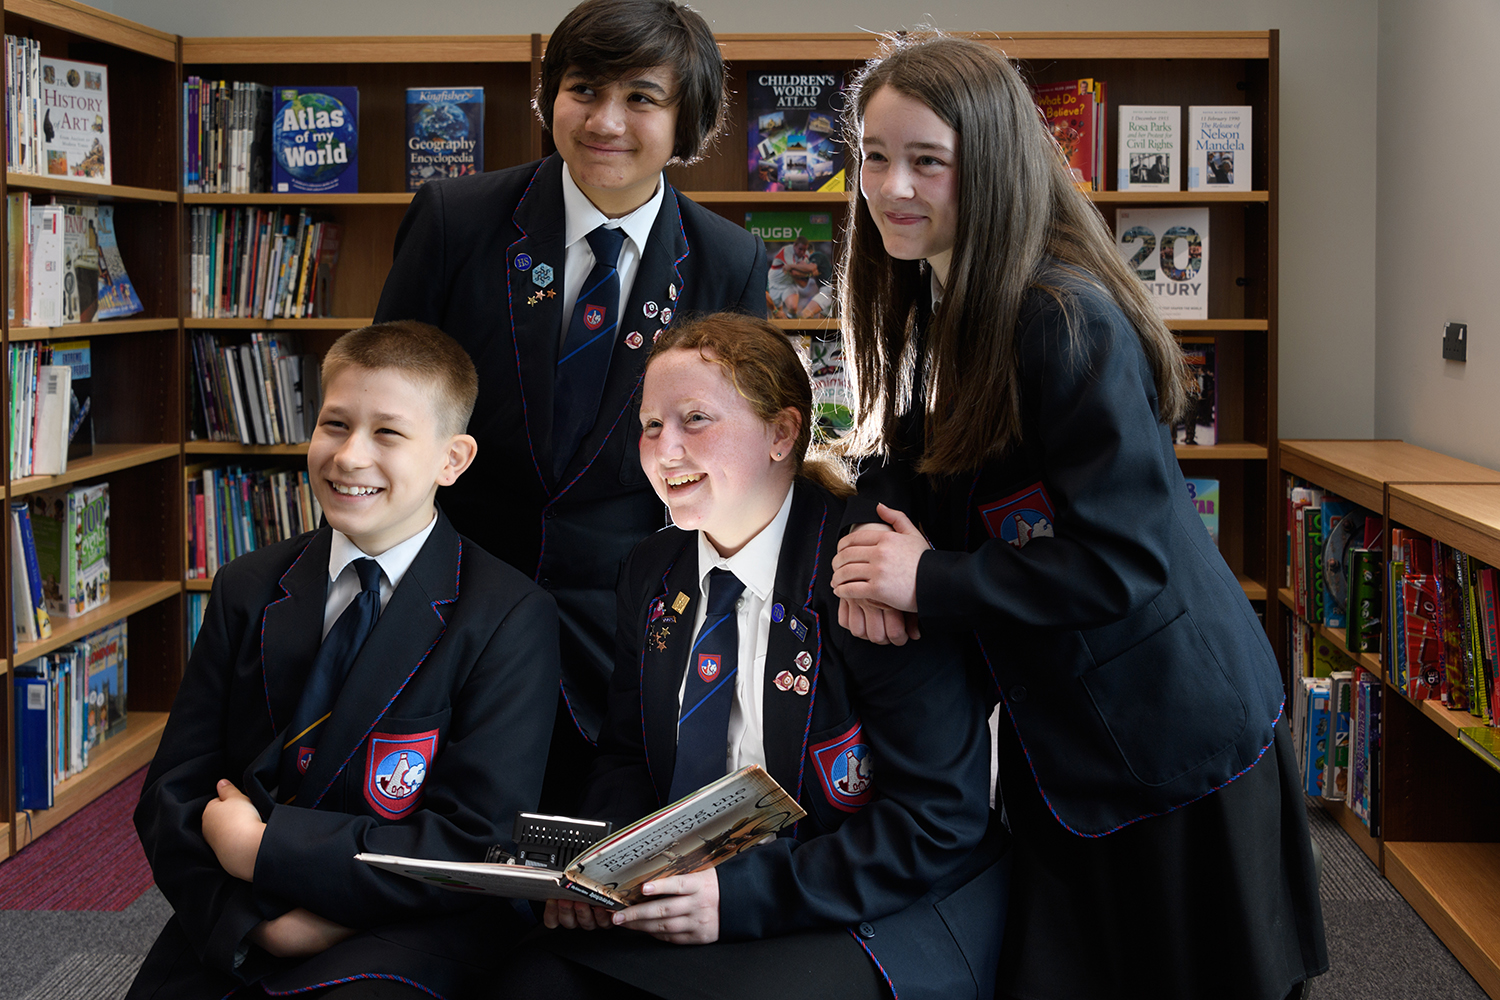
(866,930)
(1018,693)
(550,513)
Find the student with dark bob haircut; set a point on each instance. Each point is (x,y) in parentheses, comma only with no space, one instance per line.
(1016,394)
(557,276)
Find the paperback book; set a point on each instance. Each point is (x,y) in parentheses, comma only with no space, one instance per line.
(1219,144)
(72,544)
(1074,111)
(116,295)
(75,120)
(833,394)
(1200,421)
(315,140)
(799,262)
(1204,493)
(1168,250)
(1150,148)
(444,133)
(793,126)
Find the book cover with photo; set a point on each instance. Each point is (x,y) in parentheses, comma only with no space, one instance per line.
(799,263)
(793,129)
(315,140)
(1168,250)
(1150,146)
(1071,110)
(444,133)
(1200,421)
(1219,145)
(75,120)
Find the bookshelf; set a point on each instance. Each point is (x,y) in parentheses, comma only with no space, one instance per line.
(1440,800)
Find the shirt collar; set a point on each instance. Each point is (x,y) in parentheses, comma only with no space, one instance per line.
(394,561)
(755,563)
(583,217)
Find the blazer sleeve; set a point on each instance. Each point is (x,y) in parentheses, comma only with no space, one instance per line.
(619,786)
(490,768)
(1089,417)
(416,287)
(215,910)
(930,744)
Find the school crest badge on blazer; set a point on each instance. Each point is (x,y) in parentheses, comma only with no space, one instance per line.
(1019,517)
(845,769)
(395,770)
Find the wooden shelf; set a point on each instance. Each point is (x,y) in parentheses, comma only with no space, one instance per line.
(1338,636)
(1455,889)
(1254,589)
(230,448)
(1177,197)
(807,324)
(126,597)
(1217,325)
(109,763)
(373,198)
(86,331)
(106,458)
(359,49)
(4,840)
(104,192)
(1464,515)
(1018,45)
(97,25)
(198,585)
(1449,720)
(802,199)
(312,323)
(1359,470)
(1235,450)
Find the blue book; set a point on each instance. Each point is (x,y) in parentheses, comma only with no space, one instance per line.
(315,140)
(33,729)
(22,512)
(444,133)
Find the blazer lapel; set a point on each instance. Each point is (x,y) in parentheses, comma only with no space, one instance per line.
(408,629)
(292,629)
(534,277)
(652,306)
(786,714)
(664,658)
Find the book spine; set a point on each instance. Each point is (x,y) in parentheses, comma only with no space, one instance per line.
(592,895)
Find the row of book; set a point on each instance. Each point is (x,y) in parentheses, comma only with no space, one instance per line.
(1445,636)
(1334,565)
(226,136)
(260,263)
(51,404)
(1336,725)
(56,114)
(64,264)
(1152,148)
(256,392)
(233,510)
(67,703)
(59,557)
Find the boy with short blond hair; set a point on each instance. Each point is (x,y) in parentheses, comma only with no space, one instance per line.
(378,685)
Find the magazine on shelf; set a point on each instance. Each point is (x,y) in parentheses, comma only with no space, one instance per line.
(699,831)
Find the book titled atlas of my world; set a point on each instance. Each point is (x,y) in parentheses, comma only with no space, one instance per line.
(315,139)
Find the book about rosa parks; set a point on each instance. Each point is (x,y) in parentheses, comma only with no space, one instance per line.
(697,832)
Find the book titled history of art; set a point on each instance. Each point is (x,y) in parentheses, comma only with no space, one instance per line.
(444,133)
(75,120)
(1167,248)
(793,129)
(315,140)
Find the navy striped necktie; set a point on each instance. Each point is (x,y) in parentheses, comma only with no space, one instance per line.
(708,695)
(584,361)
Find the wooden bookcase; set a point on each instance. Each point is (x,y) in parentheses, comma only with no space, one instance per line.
(1440,801)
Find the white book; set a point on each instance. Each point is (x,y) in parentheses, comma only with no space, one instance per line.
(54,395)
(75,120)
(46,266)
(1150,148)
(1218,148)
(1167,248)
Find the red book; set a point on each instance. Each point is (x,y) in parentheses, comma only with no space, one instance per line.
(1068,108)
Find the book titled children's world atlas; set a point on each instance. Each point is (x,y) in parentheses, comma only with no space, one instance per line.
(697,832)
(315,140)
(75,120)
(793,127)
(444,133)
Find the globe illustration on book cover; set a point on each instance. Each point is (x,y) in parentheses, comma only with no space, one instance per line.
(441,120)
(308,123)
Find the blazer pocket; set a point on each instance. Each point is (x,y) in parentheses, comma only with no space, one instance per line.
(1167,703)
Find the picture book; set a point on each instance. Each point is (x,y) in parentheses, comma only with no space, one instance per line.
(1168,250)
(1150,147)
(315,140)
(1315,745)
(116,295)
(80,281)
(1073,111)
(1365,601)
(1328,659)
(72,543)
(799,263)
(1336,771)
(833,394)
(444,133)
(793,129)
(106,659)
(1365,738)
(1343,527)
(696,832)
(1218,148)
(77,355)
(1200,421)
(1204,493)
(75,120)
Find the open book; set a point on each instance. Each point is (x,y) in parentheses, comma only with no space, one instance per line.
(711,825)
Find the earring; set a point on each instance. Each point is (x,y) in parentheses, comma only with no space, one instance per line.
(778,454)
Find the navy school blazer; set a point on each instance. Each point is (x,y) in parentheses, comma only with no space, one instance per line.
(461,671)
(481,258)
(911,862)
(1123,648)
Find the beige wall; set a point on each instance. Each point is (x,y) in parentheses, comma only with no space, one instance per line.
(1328,152)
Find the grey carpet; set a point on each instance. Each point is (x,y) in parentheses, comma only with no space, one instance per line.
(1378,948)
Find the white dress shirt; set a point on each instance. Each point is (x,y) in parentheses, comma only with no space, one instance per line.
(582,218)
(755,566)
(343,582)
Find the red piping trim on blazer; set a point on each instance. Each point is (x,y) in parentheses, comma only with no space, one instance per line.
(1277,718)
(640,684)
(457,574)
(264,680)
(510,306)
(349,979)
(817,631)
(878,967)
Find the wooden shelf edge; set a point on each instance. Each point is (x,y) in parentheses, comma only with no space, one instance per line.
(126,597)
(359,49)
(1218,325)
(265,198)
(1453,888)
(98,25)
(106,458)
(1254,589)
(4,841)
(104,192)
(110,763)
(85,331)
(196,585)
(1351,825)
(312,323)
(1177,197)
(1237,451)
(229,448)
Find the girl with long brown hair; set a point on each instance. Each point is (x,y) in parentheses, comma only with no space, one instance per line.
(1015,394)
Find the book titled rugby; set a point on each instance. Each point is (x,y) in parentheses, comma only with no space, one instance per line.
(1167,248)
(1150,144)
(444,133)
(315,140)
(1218,148)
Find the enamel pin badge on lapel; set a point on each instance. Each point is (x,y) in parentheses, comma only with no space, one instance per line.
(777,613)
(801,685)
(541,275)
(804,660)
(799,629)
(783,681)
(634,341)
(680,602)
(650,309)
(666,316)
(523,262)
